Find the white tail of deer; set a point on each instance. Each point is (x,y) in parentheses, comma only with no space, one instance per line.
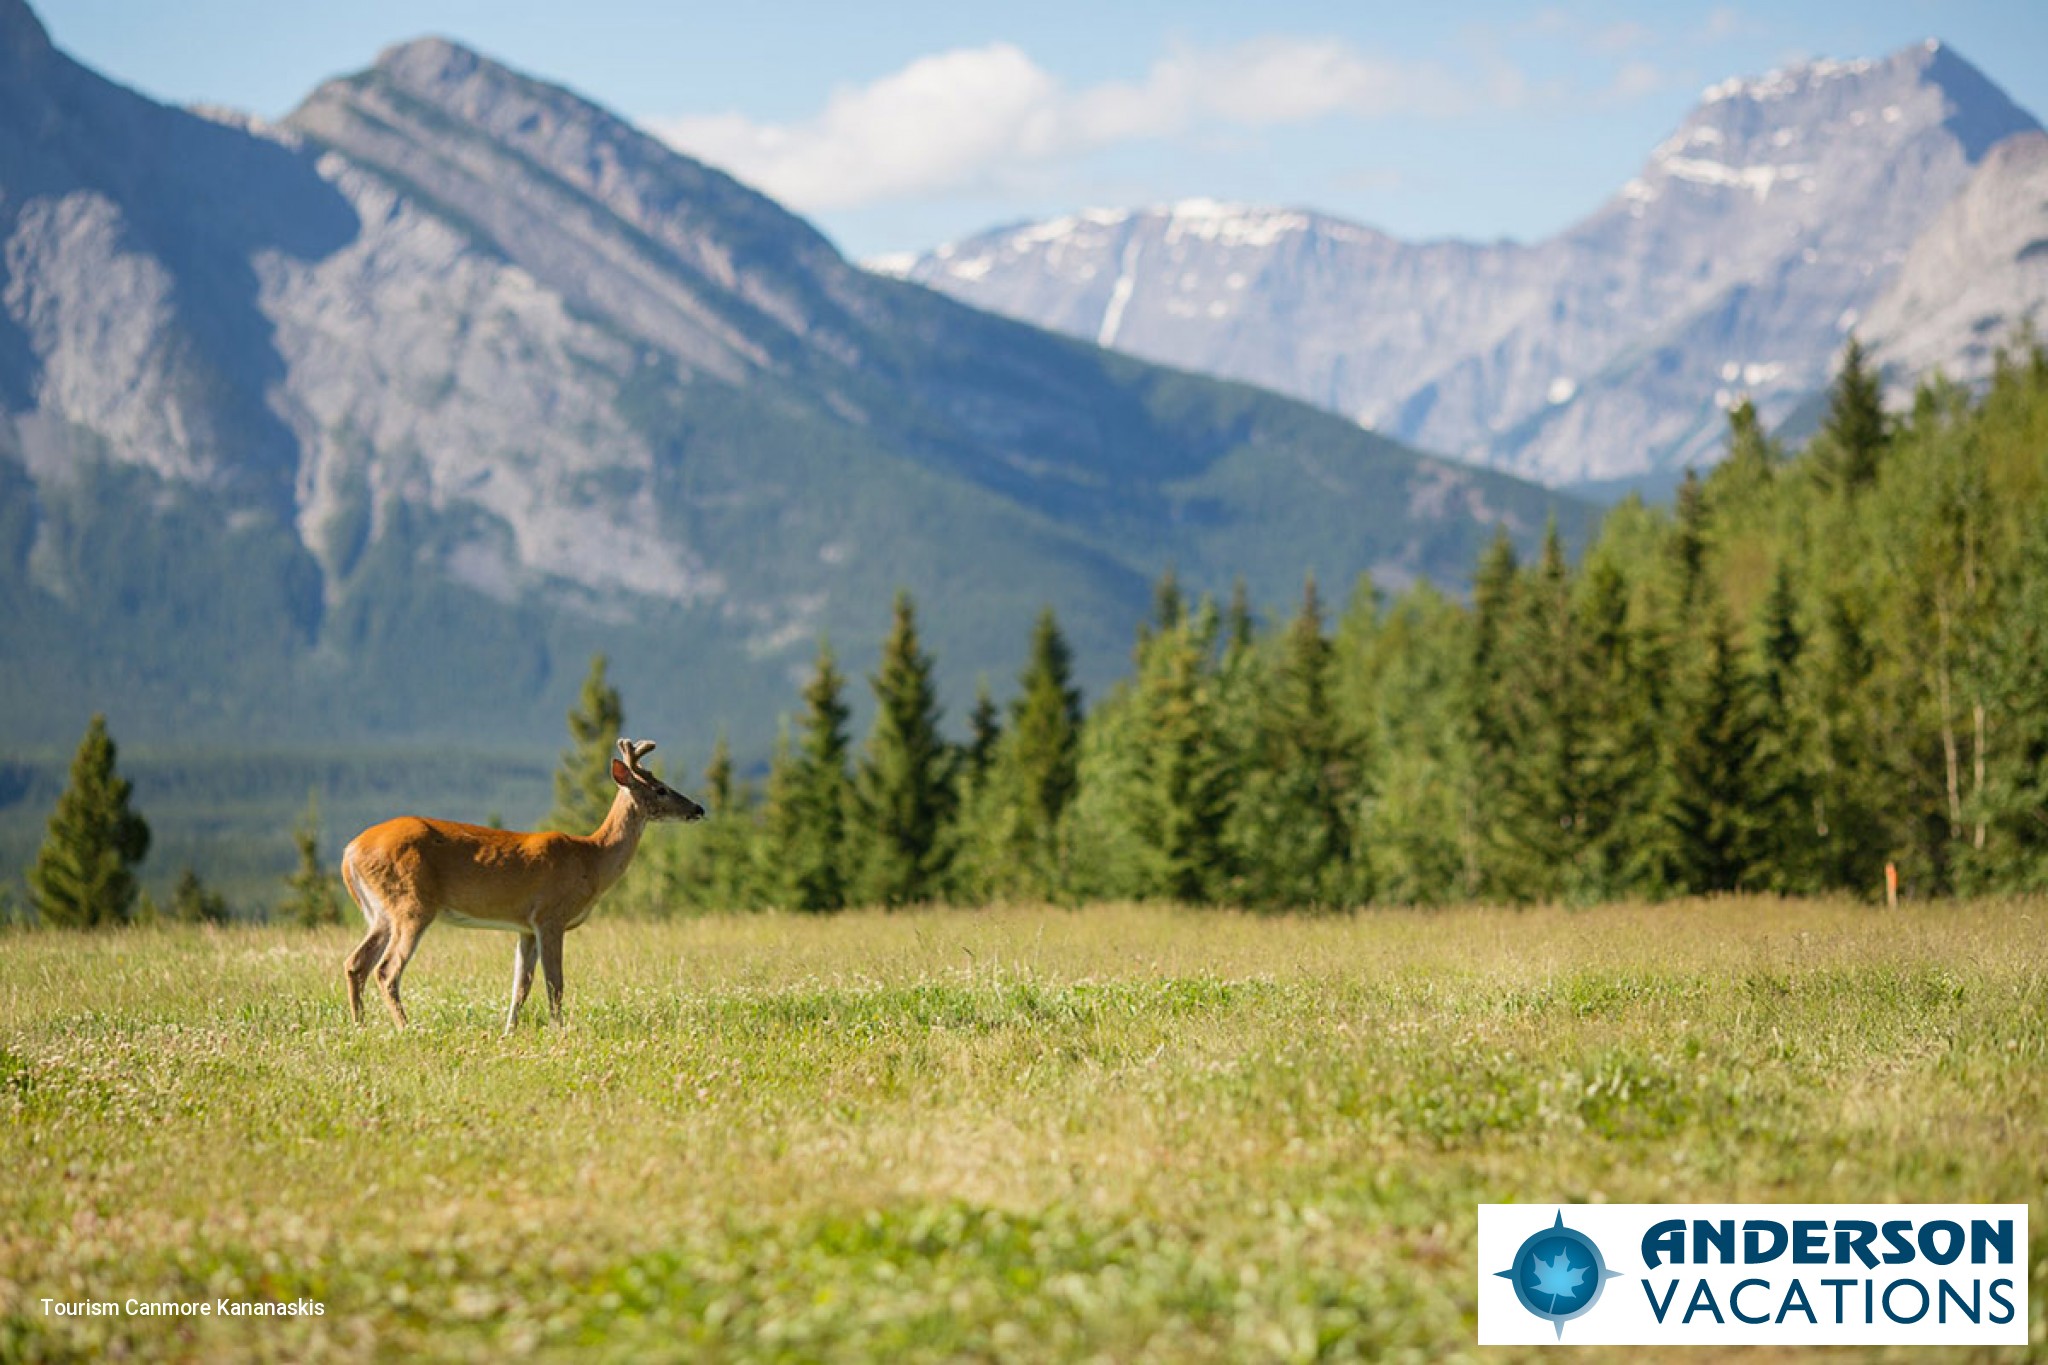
(405,873)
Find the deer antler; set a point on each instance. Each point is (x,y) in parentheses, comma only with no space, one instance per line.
(634,750)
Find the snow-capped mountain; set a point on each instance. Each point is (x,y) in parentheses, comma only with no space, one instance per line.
(1734,262)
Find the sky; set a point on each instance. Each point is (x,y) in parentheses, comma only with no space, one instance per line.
(897,127)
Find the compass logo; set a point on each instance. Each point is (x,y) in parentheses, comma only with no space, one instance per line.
(1558,1274)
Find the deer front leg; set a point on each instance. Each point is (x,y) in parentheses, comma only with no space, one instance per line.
(550,936)
(523,960)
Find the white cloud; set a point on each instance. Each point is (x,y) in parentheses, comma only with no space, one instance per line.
(981,116)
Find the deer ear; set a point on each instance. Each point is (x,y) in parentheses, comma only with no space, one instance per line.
(621,774)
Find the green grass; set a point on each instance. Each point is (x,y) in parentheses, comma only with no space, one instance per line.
(1119,1133)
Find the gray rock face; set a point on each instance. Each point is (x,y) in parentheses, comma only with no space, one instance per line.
(1974,278)
(1751,240)
(490,378)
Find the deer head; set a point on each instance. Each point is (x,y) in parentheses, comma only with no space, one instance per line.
(656,800)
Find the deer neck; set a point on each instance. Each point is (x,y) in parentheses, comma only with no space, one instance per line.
(617,838)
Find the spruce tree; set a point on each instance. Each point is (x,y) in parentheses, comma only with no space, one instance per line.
(1298,801)
(1785,793)
(193,902)
(905,784)
(1013,836)
(1851,445)
(313,898)
(1181,797)
(84,876)
(1720,834)
(583,784)
(1045,729)
(1543,822)
(984,735)
(818,796)
(716,867)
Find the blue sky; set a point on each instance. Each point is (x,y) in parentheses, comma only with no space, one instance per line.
(898,126)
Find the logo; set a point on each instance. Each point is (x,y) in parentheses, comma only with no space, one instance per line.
(1558,1274)
(1753,1274)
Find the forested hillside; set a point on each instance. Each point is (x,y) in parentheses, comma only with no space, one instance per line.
(1809,667)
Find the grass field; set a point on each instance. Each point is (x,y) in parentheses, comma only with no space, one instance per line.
(1119,1133)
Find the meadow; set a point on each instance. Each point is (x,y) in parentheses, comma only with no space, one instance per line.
(1124,1132)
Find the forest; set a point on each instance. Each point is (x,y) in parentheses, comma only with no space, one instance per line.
(1809,667)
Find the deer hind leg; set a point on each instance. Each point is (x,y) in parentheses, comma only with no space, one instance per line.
(405,937)
(524,958)
(362,962)
(370,951)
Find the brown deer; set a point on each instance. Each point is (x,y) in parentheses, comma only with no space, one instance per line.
(405,873)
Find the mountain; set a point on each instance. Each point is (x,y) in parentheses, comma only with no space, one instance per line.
(379,422)
(1975,277)
(1736,259)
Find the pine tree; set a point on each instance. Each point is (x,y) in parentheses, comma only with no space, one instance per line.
(1850,447)
(716,867)
(1240,631)
(984,735)
(84,876)
(193,902)
(1180,805)
(1689,548)
(818,796)
(1784,760)
(1298,802)
(314,898)
(583,784)
(905,784)
(1621,850)
(1032,778)
(1752,462)
(1543,824)
(1721,841)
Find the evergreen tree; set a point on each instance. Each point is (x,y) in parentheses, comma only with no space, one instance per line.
(84,877)
(1240,631)
(984,735)
(583,784)
(716,866)
(1851,444)
(193,902)
(1181,798)
(1032,777)
(1786,796)
(818,797)
(1721,841)
(905,784)
(1168,606)
(1689,548)
(314,897)
(1298,802)
(1620,848)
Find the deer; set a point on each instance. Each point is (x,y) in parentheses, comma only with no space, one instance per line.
(406,873)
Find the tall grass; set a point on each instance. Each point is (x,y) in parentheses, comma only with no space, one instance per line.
(1123,1132)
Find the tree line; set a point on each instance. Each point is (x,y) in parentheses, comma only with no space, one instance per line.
(1806,668)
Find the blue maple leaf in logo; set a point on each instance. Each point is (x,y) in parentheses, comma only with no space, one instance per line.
(1557,1277)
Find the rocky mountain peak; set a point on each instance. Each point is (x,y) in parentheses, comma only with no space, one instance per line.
(1733,262)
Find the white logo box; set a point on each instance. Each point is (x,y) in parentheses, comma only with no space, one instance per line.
(1985,1246)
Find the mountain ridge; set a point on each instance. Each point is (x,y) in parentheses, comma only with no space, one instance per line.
(380,420)
(1770,214)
